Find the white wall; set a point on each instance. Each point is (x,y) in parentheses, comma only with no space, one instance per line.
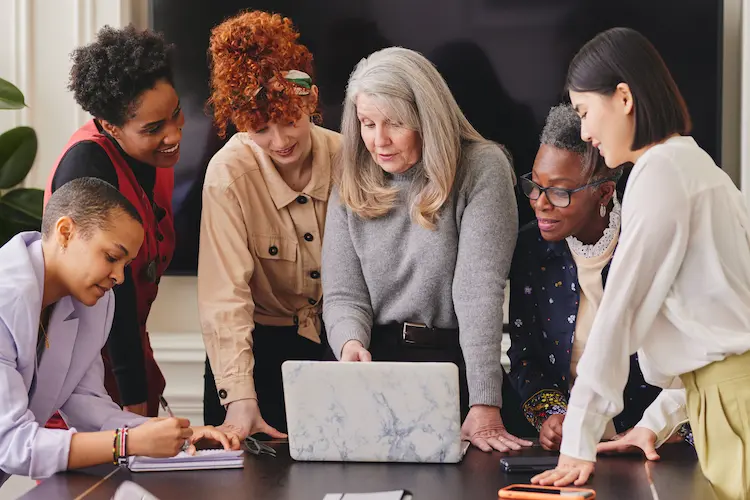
(35,40)
(36,37)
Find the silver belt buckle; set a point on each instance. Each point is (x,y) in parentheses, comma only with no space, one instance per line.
(404,333)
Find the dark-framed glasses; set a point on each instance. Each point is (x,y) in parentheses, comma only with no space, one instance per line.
(557,196)
(258,448)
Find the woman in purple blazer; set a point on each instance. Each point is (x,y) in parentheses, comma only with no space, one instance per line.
(56,309)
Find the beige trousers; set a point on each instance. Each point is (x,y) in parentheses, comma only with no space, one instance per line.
(718,403)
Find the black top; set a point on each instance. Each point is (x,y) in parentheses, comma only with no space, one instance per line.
(88,159)
(544,298)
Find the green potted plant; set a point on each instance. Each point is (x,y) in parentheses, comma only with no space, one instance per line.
(20,208)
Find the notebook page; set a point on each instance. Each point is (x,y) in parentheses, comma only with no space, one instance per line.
(200,455)
(203,459)
(380,495)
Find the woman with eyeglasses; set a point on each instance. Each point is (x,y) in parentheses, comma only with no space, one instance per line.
(558,277)
(682,270)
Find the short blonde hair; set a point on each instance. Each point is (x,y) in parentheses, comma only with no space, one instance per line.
(410,91)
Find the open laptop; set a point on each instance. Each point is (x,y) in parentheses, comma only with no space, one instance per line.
(373,412)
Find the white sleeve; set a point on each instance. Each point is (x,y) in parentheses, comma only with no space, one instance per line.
(666,414)
(655,234)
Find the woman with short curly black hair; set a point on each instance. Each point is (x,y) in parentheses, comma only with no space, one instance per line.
(124,79)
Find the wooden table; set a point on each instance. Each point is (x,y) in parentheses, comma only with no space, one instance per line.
(677,476)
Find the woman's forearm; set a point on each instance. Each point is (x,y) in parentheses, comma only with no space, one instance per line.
(90,448)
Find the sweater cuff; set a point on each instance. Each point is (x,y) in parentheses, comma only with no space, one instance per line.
(344,333)
(486,391)
(581,433)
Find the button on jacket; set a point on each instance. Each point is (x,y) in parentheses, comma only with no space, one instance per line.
(260,252)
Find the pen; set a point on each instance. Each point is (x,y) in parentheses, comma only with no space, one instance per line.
(166,407)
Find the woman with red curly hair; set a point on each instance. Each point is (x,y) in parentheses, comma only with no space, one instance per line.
(264,205)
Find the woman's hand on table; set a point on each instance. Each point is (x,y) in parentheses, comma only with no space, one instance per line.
(228,440)
(569,470)
(353,350)
(637,438)
(484,428)
(572,470)
(244,419)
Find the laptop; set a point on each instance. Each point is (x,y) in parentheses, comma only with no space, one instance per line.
(373,412)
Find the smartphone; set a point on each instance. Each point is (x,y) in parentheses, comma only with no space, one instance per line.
(528,464)
(536,492)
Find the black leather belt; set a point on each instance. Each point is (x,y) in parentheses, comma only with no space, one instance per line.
(419,335)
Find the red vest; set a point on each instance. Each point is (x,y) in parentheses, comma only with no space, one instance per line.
(152,250)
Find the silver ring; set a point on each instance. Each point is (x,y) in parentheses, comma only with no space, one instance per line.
(186,445)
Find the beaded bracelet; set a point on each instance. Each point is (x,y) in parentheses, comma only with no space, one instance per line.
(123,457)
(115,446)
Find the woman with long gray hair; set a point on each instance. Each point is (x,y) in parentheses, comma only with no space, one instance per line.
(419,237)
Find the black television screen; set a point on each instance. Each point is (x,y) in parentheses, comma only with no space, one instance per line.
(504,60)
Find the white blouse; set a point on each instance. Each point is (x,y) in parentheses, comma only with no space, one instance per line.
(678,292)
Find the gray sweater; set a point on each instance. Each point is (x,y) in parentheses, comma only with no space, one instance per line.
(390,269)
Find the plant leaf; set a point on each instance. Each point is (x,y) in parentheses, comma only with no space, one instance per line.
(10,96)
(23,206)
(9,228)
(17,152)
(20,210)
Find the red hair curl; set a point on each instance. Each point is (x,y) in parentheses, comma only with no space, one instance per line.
(247,51)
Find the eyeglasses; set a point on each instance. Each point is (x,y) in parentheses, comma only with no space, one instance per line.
(558,197)
(258,448)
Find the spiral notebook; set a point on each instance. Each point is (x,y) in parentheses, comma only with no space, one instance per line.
(382,495)
(202,460)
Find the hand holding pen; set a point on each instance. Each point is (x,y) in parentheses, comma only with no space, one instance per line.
(227,440)
(165,405)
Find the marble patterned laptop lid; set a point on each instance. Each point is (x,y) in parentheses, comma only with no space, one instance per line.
(373,412)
